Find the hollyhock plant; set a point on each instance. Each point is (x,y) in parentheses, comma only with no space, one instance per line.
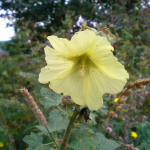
(83,67)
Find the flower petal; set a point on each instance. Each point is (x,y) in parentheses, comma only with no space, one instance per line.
(111,68)
(63,46)
(57,65)
(104,59)
(95,84)
(81,39)
(71,85)
(98,45)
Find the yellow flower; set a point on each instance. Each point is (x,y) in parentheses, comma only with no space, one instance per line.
(136,8)
(133,134)
(1,144)
(116,100)
(83,68)
(54,144)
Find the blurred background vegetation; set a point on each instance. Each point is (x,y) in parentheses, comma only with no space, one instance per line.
(23,56)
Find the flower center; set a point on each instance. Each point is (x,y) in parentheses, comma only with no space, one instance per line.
(82,66)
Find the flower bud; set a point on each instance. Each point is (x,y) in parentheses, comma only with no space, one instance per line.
(139,81)
(119,108)
(122,99)
(140,86)
(126,91)
(94,30)
(111,113)
(66,99)
(105,32)
(130,85)
(84,27)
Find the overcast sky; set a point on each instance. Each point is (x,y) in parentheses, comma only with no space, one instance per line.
(5,32)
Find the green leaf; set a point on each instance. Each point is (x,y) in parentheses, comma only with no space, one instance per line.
(55,122)
(94,115)
(103,143)
(103,109)
(127,34)
(50,99)
(6,102)
(84,143)
(35,143)
(42,129)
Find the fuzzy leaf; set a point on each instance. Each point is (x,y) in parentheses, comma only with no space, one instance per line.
(55,122)
(35,143)
(85,143)
(103,143)
(42,129)
(50,98)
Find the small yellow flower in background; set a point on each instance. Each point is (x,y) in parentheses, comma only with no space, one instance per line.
(136,8)
(116,100)
(133,134)
(84,68)
(1,144)
(54,144)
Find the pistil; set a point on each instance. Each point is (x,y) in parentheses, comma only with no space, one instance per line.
(82,67)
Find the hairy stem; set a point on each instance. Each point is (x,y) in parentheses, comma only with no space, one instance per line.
(69,127)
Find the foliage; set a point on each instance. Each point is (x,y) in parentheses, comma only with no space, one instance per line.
(57,122)
(84,143)
(20,66)
(35,142)
(103,143)
(50,98)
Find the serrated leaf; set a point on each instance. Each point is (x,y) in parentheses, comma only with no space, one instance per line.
(84,143)
(55,122)
(35,143)
(50,99)
(103,143)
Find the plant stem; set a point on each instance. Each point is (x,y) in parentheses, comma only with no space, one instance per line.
(68,111)
(69,127)
(75,135)
(52,142)
(51,136)
(77,125)
(62,110)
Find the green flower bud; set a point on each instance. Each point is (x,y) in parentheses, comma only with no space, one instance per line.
(105,32)
(84,27)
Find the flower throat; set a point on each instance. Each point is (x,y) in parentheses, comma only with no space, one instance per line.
(82,65)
